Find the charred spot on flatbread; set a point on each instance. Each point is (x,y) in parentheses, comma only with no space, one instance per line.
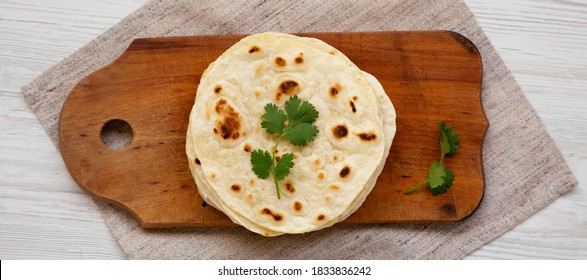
(299,59)
(235,188)
(254,49)
(276,216)
(229,124)
(297,206)
(290,187)
(279,61)
(247,148)
(345,171)
(353,107)
(334,90)
(340,131)
(287,87)
(218,89)
(367,136)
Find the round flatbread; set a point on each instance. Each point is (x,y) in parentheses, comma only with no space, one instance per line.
(332,175)
(389,116)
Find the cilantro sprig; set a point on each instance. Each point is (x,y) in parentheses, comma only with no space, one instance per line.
(295,122)
(441,178)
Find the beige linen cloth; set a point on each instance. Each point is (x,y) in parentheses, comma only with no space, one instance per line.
(524,169)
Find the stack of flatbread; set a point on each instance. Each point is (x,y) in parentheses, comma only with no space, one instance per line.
(332,175)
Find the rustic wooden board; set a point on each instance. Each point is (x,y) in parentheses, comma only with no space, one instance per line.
(429,76)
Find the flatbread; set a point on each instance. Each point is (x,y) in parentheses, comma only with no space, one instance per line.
(319,191)
(389,116)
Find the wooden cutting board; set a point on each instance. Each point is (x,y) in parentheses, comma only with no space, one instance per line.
(429,76)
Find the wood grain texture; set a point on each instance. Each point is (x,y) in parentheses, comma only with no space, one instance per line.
(428,75)
(45,215)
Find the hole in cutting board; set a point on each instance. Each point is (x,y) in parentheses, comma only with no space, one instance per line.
(116,134)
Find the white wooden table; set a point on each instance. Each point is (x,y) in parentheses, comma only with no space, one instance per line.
(44,215)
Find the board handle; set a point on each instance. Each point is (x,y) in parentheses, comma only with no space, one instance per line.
(122,137)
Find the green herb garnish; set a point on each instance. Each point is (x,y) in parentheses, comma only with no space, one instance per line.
(440,178)
(294,122)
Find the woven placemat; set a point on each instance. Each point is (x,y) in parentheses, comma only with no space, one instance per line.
(524,169)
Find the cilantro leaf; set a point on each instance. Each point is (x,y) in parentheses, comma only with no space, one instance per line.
(448,140)
(299,116)
(436,174)
(300,112)
(262,162)
(301,134)
(273,119)
(440,178)
(446,183)
(284,166)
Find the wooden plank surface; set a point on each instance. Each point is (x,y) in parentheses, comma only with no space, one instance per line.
(159,191)
(44,214)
